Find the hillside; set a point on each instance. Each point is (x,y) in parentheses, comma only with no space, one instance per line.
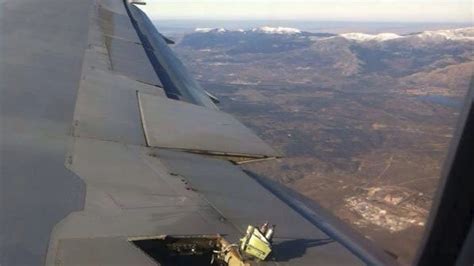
(364,120)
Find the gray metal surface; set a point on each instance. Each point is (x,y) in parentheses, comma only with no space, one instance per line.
(242,201)
(179,125)
(129,59)
(133,194)
(177,81)
(100,251)
(76,178)
(107,104)
(129,194)
(107,107)
(42,47)
(114,21)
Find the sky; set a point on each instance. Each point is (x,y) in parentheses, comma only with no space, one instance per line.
(317,10)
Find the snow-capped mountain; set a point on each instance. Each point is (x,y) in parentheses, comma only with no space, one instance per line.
(347,53)
(454,34)
(363,37)
(277,30)
(462,34)
(216,30)
(207,30)
(262,39)
(264,29)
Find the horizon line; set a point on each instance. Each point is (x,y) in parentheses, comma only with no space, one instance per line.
(312,20)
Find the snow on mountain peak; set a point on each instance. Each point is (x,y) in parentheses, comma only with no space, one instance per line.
(277,30)
(363,37)
(461,34)
(205,30)
(453,34)
(265,29)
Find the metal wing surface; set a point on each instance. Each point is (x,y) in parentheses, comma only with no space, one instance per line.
(106,138)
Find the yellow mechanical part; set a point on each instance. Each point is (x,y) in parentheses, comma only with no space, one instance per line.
(230,254)
(255,244)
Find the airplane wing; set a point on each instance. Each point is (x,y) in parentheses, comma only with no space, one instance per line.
(112,154)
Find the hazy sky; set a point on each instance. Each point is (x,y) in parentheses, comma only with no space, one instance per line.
(347,10)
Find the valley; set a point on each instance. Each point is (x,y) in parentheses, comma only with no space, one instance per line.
(364,121)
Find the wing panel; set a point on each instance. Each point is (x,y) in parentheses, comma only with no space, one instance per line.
(129,59)
(130,193)
(178,83)
(105,112)
(114,21)
(179,125)
(242,201)
(100,251)
(41,50)
(107,105)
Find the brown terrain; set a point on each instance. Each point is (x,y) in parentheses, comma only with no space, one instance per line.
(364,126)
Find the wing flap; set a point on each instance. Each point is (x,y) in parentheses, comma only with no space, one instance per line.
(179,125)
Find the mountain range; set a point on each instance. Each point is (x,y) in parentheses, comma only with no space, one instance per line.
(364,120)
(336,56)
(386,61)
